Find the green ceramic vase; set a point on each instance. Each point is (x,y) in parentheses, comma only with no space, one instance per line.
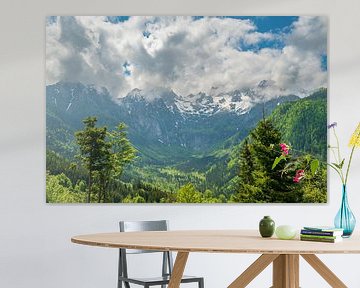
(267,227)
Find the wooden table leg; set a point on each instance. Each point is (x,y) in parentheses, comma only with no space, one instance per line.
(178,270)
(286,271)
(293,262)
(253,270)
(324,271)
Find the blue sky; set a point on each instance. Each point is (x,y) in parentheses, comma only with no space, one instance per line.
(263,23)
(188,54)
(271,23)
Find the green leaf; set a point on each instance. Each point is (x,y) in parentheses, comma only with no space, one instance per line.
(342,163)
(314,166)
(277,161)
(335,168)
(289,165)
(336,165)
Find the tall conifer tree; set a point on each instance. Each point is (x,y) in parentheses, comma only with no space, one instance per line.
(94,153)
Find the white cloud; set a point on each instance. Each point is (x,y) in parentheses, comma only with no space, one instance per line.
(299,66)
(182,53)
(310,34)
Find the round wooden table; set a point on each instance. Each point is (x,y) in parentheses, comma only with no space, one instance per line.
(284,254)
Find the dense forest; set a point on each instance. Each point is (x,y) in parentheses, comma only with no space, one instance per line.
(97,161)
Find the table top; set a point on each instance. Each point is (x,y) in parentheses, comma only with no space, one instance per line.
(217,241)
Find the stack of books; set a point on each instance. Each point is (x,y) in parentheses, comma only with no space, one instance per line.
(321,234)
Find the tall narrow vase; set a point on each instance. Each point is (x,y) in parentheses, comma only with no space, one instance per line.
(345,219)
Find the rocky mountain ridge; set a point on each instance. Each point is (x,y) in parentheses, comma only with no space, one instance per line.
(161,124)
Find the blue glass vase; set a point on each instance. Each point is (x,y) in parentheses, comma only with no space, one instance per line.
(345,219)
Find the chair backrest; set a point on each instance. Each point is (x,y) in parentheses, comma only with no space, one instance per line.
(135,226)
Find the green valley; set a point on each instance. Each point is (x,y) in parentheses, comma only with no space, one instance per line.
(191,158)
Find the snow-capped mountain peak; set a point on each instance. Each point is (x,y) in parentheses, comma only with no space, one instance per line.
(237,101)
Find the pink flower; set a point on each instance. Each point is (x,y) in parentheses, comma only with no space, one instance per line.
(300,174)
(284,149)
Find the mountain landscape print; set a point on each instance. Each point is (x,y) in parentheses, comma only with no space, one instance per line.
(185,109)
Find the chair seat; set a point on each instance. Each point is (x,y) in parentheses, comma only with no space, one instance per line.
(158,280)
(167,262)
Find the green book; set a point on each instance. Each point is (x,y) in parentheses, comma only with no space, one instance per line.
(325,240)
(319,236)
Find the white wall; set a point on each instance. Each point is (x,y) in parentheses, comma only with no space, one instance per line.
(35,248)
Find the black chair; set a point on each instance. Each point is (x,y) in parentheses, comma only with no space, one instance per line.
(167,265)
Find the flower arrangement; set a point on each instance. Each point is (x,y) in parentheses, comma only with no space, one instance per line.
(344,218)
(339,163)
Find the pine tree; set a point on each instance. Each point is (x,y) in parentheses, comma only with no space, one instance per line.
(104,154)
(94,154)
(246,163)
(277,186)
(123,151)
(264,139)
(247,192)
(258,182)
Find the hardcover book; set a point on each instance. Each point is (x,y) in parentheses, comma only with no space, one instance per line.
(328,240)
(323,228)
(322,232)
(319,237)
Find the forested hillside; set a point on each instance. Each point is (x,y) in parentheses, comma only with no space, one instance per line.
(171,162)
(303,123)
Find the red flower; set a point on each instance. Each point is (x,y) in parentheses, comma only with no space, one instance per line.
(284,149)
(300,174)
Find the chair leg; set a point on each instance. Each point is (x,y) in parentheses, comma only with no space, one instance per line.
(201,283)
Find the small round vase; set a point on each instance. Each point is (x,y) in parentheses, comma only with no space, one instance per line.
(345,219)
(266,227)
(285,232)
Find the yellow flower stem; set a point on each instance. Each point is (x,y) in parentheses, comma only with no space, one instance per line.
(338,145)
(340,159)
(348,167)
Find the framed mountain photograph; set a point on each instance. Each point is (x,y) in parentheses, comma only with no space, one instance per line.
(185,109)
